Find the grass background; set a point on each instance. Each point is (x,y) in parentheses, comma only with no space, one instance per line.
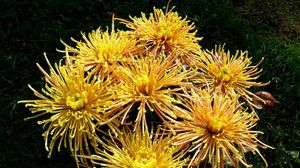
(268,29)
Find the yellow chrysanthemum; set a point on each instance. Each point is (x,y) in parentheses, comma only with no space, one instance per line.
(229,74)
(152,85)
(218,130)
(166,32)
(102,50)
(139,150)
(74,103)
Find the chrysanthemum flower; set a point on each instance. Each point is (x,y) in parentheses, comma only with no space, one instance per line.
(219,130)
(74,104)
(230,74)
(152,85)
(139,150)
(166,32)
(102,50)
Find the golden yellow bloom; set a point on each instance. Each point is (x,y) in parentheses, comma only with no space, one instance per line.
(166,32)
(74,104)
(103,50)
(218,130)
(231,75)
(152,85)
(139,150)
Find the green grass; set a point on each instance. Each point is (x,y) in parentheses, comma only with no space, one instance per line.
(29,28)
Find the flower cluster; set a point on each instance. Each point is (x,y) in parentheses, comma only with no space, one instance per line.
(150,97)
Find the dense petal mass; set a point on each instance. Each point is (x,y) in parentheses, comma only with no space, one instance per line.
(139,150)
(74,104)
(218,131)
(155,72)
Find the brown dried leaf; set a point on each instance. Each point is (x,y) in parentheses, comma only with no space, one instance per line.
(268,98)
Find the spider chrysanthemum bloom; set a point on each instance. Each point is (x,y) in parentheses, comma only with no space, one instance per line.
(73,102)
(139,150)
(218,130)
(164,31)
(230,74)
(103,50)
(153,85)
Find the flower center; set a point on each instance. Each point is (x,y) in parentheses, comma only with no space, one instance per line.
(145,158)
(216,125)
(77,101)
(142,84)
(163,31)
(224,75)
